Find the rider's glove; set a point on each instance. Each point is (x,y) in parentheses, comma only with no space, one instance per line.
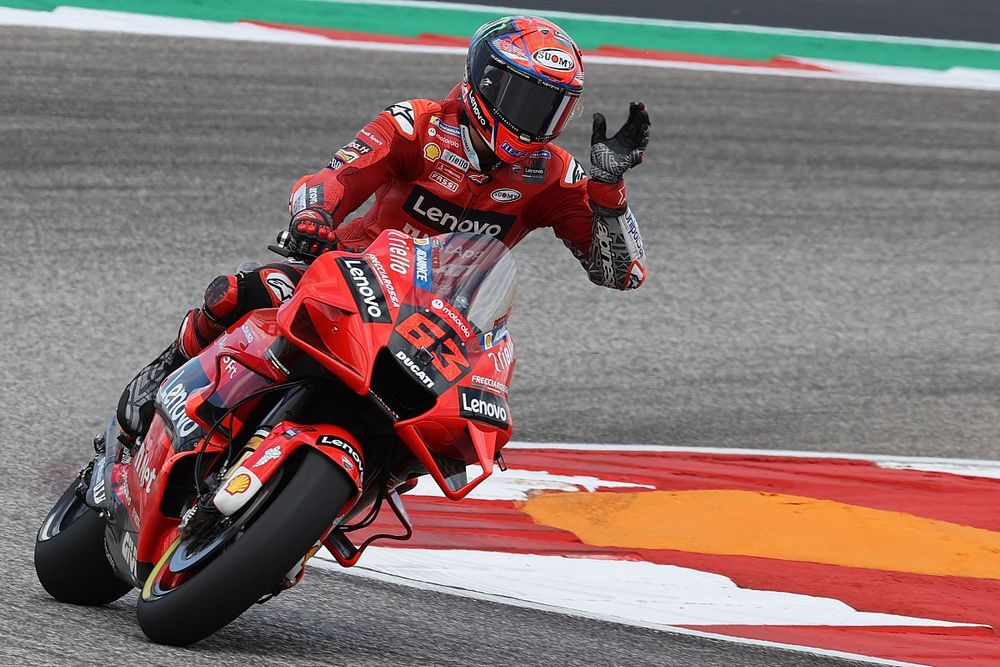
(611,158)
(310,232)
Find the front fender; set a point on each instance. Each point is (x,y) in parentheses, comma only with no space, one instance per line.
(337,444)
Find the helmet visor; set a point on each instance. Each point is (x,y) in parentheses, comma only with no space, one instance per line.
(528,106)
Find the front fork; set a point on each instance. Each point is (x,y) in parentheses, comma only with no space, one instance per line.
(276,441)
(95,478)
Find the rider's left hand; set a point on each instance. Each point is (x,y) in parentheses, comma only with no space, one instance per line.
(611,158)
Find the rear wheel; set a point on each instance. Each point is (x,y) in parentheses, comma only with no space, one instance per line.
(69,555)
(180,608)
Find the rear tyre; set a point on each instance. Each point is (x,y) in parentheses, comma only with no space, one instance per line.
(253,564)
(69,555)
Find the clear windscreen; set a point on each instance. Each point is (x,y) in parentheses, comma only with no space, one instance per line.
(474,273)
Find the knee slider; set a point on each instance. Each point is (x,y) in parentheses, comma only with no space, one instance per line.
(222,299)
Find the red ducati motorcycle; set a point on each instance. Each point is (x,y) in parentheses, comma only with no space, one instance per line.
(293,430)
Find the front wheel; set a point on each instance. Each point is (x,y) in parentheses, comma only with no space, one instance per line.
(182,610)
(69,555)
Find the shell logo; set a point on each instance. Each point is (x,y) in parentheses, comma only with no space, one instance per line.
(432,151)
(238,484)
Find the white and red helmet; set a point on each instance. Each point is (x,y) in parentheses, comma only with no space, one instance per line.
(523,79)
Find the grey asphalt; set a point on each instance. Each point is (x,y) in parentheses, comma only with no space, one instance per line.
(824,262)
(971,20)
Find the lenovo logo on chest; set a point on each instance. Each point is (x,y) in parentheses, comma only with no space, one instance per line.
(436,213)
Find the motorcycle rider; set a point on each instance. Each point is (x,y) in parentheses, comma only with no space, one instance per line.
(481,160)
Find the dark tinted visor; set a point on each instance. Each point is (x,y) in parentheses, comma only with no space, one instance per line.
(532,108)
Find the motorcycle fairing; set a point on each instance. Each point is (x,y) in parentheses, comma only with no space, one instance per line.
(429,348)
(447,304)
(442,303)
(122,522)
(188,404)
(275,449)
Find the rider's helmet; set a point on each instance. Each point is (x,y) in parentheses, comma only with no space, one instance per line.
(523,78)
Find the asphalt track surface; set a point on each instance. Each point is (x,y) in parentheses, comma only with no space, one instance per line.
(972,20)
(824,266)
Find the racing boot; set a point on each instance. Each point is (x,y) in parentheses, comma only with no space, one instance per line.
(135,407)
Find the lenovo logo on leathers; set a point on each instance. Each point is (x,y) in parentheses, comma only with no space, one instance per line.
(436,213)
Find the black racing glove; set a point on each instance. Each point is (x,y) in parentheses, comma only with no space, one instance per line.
(310,233)
(611,158)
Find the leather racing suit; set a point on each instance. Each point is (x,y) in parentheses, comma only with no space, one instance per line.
(417,159)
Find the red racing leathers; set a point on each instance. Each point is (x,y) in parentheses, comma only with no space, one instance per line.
(423,172)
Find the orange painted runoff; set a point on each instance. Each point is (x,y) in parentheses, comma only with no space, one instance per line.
(772,525)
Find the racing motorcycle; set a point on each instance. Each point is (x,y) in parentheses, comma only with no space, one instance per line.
(292,431)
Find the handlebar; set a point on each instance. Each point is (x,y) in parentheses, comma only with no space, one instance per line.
(281,248)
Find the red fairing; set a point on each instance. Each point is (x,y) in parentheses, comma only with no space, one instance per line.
(403,325)
(349,307)
(472,421)
(342,310)
(281,444)
(231,368)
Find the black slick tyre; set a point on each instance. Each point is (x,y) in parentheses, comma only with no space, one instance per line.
(252,565)
(69,555)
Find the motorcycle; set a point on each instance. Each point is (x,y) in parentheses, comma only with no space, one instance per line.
(293,430)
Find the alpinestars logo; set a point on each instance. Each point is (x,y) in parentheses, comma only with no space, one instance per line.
(436,213)
(402,114)
(281,286)
(368,296)
(574,172)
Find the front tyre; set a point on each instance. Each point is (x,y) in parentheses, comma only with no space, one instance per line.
(69,555)
(253,564)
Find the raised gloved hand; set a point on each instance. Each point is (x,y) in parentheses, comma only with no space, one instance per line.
(611,158)
(310,233)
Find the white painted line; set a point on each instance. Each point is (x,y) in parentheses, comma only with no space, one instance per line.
(519,484)
(656,594)
(667,23)
(957,77)
(73,18)
(963,469)
(625,591)
(965,79)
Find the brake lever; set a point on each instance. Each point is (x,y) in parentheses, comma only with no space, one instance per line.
(281,249)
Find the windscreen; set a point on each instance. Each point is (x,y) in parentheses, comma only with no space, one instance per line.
(473,273)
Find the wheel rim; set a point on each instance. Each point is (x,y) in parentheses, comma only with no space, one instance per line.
(63,514)
(188,555)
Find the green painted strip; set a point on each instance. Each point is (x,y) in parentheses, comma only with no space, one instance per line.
(590,33)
